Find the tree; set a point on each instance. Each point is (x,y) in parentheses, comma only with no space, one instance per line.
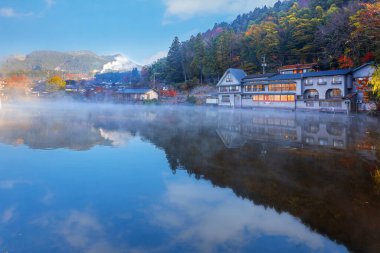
(375,82)
(135,76)
(264,40)
(345,62)
(198,59)
(56,83)
(300,26)
(227,51)
(333,36)
(366,33)
(174,61)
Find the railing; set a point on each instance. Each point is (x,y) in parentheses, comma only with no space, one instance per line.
(312,97)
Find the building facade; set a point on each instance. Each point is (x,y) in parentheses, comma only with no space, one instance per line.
(331,90)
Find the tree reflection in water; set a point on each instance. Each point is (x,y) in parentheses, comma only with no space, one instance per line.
(315,167)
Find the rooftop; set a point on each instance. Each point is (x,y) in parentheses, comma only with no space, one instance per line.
(259,76)
(134,91)
(298,66)
(237,73)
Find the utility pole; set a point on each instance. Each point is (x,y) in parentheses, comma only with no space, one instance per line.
(154,79)
(264,64)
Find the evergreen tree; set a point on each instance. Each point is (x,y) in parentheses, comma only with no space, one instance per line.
(174,63)
(198,59)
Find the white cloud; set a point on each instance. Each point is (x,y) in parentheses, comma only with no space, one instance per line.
(118,138)
(185,9)
(49,3)
(7,215)
(7,12)
(155,57)
(194,211)
(10,13)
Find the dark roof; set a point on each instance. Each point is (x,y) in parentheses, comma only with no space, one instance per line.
(311,74)
(328,73)
(238,73)
(134,91)
(285,77)
(298,66)
(259,76)
(364,65)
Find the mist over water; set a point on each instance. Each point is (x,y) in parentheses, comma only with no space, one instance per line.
(81,177)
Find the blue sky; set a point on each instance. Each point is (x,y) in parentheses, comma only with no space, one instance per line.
(140,29)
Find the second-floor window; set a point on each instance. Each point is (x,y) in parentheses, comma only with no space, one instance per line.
(283,87)
(234,88)
(309,82)
(321,81)
(336,80)
(254,88)
(229,89)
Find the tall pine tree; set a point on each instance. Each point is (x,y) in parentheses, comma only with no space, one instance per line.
(174,63)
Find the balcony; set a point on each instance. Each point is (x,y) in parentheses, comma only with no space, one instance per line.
(336,82)
(322,82)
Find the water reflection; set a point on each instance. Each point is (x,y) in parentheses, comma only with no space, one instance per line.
(188,213)
(302,179)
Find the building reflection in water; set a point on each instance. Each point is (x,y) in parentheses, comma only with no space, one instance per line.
(316,167)
(288,129)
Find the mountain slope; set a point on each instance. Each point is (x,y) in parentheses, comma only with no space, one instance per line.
(71,62)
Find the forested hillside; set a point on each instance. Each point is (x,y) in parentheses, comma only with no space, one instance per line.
(333,33)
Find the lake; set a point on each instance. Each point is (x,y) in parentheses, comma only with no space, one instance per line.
(108,178)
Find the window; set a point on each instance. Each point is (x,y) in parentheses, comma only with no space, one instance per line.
(228,78)
(234,88)
(338,144)
(248,88)
(291,98)
(334,93)
(322,81)
(283,87)
(225,99)
(223,89)
(258,87)
(337,80)
(323,142)
(274,98)
(309,82)
(309,140)
(311,94)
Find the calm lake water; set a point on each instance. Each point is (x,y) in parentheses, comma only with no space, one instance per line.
(82,178)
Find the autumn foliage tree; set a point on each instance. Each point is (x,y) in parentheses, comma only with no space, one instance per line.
(18,83)
(345,62)
(56,83)
(366,33)
(375,82)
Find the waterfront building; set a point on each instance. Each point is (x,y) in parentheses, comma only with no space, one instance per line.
(135,95)
(230,88)
(331,90)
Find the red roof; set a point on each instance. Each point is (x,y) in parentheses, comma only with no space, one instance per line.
(298,66)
